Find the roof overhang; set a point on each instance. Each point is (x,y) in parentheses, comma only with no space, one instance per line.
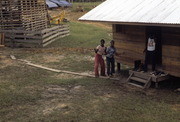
(135,23)
(136,12)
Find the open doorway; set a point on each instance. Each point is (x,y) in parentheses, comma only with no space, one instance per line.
(156,31)
(1,38)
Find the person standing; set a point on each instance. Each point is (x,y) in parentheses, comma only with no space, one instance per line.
(100,50)
(111,50)
(150,53)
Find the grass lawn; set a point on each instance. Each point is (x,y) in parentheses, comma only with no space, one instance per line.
(31,94)
(86,5)
(73,53)
(83,36)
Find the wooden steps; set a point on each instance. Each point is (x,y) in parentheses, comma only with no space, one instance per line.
(144,80)
(141,81)
(138,79)
(139,86)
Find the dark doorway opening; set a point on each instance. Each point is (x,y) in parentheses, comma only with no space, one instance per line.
(2,38)
(156,31)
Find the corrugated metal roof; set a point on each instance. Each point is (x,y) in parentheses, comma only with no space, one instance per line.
(51,4)
(136,11)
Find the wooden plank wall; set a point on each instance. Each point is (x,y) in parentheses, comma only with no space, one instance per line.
(130,43)
(51,34)
(171,50)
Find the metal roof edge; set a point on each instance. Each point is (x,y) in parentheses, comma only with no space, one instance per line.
(136,23)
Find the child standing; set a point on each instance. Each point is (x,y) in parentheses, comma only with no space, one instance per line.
(111,50)
(150,53)
(100,50)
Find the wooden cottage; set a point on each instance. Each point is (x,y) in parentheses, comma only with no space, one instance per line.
(132,23)
(25,23)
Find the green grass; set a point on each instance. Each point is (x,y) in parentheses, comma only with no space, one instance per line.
(83,36)
(76,47)
(86,5)
(22,99)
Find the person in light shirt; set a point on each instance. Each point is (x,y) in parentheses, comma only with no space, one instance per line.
(100,50)
(150,53)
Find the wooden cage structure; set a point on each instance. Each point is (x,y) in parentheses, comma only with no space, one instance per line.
(24,21)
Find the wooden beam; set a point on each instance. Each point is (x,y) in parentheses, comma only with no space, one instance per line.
(61,71)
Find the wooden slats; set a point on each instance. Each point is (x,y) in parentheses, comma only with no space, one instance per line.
(130,44)
(26,14)
(171,36)
(171,50)
(55,35)
(37,38)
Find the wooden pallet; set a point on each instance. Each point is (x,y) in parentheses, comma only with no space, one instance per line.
(144,80)
(26,14)
(20,38)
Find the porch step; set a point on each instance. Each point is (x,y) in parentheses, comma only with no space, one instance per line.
(141,75)
(139,79)
(142,87)
(144,79)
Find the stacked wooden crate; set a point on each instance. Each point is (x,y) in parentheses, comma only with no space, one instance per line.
(24,21)
(23,14)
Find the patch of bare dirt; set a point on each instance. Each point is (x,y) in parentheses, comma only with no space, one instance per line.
(55,89)
(5,61)
(58,50)
(58,106)
(51,105)
(108,96)
(176,107)
(77,89)
(66,76)
(60,93)
(74,16)
(102,25)
(88,73)
(89,58)
(82,58)
(52,58)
